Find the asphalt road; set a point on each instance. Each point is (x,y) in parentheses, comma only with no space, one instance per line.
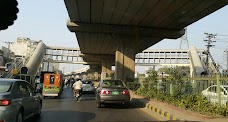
(67,109)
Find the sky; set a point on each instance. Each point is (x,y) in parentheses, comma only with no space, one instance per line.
(46,20)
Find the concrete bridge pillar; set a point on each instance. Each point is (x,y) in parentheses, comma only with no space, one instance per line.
(107,67)
(97,69)
(125,58)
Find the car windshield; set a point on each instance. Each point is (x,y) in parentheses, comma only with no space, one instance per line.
(113,84)
(5,86)
(87,82)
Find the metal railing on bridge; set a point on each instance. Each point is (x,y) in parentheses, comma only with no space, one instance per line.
(63,55)
(163,57)
(147,57)
(174,57)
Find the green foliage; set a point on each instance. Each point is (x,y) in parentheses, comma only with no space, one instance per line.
(142,91)
(133,85)
(182,93)
(184,71)
(193,102)
(152,78)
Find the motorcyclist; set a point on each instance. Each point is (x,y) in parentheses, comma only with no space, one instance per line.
(77,89)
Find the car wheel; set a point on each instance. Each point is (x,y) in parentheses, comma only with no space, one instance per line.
(39,111)
(19,117)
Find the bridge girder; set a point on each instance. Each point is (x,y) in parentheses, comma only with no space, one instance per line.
(125,30)
(98,56)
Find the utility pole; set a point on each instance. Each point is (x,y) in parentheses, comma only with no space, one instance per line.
(184,41)
(209,45)
(226,51)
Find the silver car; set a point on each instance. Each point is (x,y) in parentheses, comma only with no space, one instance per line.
(112,91)
(18,100)
(88,86)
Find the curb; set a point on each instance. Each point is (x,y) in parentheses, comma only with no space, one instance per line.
(156,110)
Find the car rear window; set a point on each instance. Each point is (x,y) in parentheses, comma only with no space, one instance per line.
(87,82)
(5,86)
(113,84)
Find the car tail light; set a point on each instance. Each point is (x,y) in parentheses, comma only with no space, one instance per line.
(2,121)
(126,92)
(105,92)
(5,102)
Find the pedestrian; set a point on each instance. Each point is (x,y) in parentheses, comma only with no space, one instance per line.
(38,88)
(68,82)
(65,82)
(72,81)
(77,89)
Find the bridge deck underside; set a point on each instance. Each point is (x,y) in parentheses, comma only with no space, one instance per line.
(170,15)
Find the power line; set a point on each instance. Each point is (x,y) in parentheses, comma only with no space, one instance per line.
(184,41)
(226,51)
(209,45)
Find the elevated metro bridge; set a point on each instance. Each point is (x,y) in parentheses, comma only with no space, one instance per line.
(125,28)
(115,32)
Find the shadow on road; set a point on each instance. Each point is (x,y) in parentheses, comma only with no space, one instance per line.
(63,116)
(135,103)
(139,102)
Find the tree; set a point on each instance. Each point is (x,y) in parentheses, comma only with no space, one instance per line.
(183,71)
(152,78)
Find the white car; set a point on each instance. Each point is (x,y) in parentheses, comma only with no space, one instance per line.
(88,86)
(211,94)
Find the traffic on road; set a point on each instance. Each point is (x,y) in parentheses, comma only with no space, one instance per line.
(66,109)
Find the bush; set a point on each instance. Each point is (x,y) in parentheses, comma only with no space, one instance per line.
(182,94)
(133,85)
(193,102)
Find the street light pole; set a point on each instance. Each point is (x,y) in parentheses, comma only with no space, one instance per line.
(226,51)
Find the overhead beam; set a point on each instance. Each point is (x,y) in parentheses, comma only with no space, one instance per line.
(126,30)
(61,48)
(86,55)
(72,62)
